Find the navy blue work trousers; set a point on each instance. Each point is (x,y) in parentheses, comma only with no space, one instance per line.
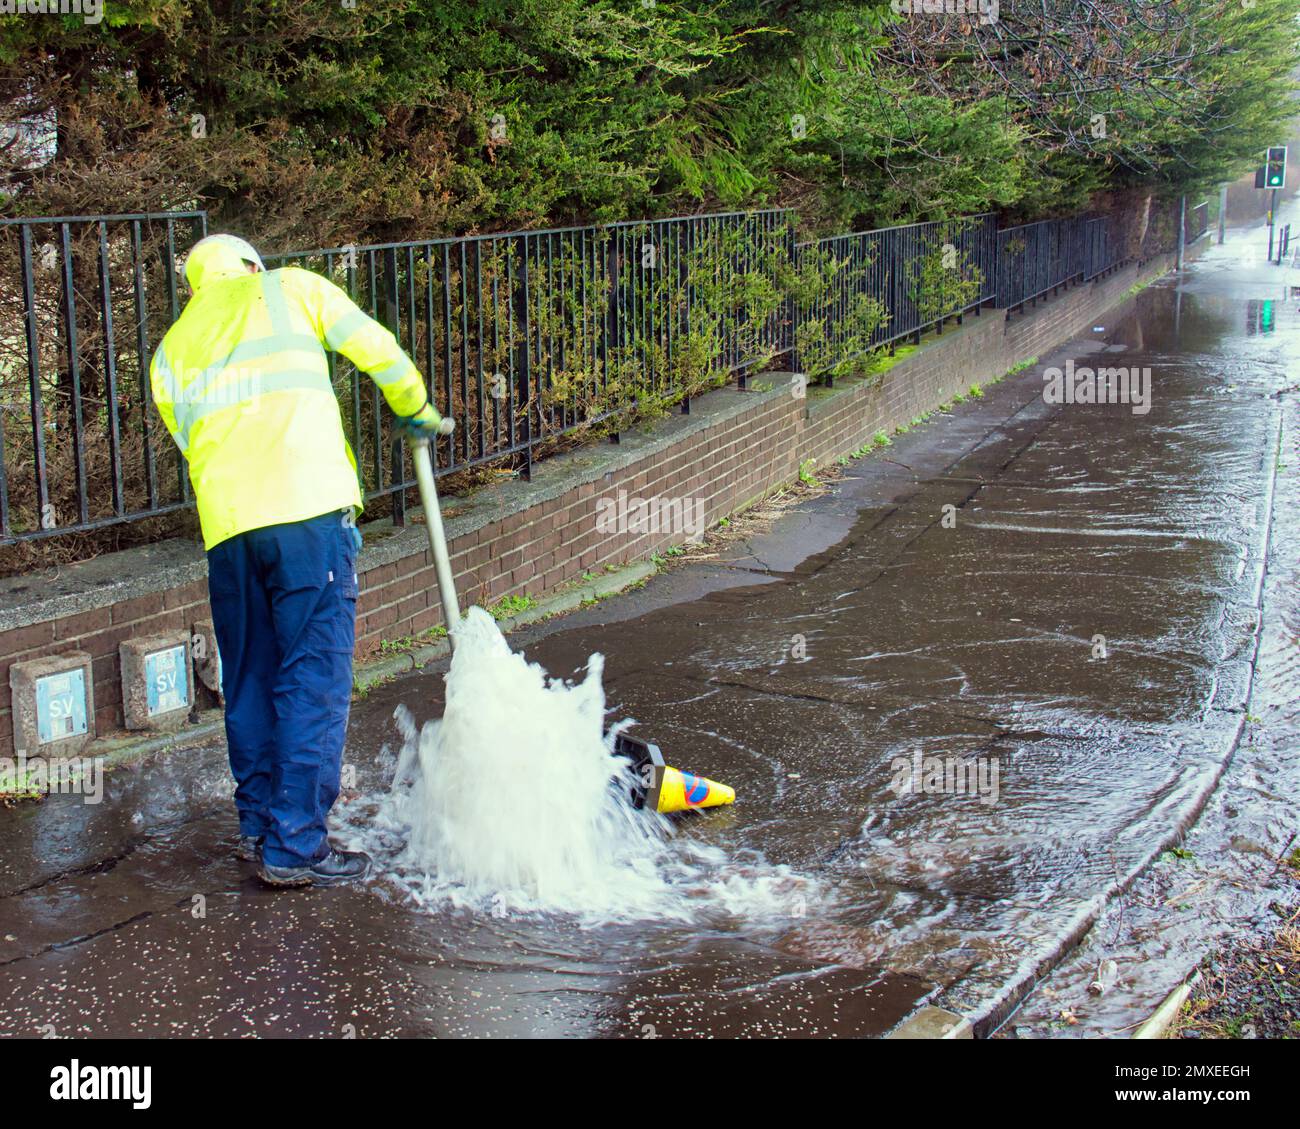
(284,603)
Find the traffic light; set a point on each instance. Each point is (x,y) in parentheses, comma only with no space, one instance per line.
(1275,167)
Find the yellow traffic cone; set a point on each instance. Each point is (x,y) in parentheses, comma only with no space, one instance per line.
(684,791)
(664,789)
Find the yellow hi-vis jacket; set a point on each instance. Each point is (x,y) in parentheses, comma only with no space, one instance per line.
(242,383)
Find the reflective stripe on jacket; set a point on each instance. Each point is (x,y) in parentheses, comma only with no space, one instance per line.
(242,383)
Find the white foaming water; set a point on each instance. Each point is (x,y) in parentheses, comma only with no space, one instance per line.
(514,801)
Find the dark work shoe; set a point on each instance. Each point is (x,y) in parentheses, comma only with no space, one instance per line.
(249,848)
(337,866)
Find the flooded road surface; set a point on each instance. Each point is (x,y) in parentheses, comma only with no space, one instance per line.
(1229,877)
(1054,607)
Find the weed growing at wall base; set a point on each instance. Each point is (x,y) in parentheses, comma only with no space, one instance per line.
(25,777)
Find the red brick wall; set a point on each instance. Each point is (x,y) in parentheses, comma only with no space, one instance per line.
(99,632)
(539,550)
(729,461)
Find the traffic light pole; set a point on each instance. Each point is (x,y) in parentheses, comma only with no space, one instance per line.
(1182,231)
(1272,211)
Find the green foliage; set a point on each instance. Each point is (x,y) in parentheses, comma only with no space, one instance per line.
(943,281)
(509,606)
(16,785)
(310,123)
(659,559)
(817,287)
(707,322)
(1245,91)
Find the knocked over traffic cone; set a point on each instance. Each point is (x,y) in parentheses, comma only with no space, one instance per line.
(682,791)
(664,789)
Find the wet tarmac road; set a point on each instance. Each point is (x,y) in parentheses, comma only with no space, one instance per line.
(1228,878)
(802,666)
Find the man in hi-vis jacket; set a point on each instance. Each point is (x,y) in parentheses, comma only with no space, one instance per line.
(242,383)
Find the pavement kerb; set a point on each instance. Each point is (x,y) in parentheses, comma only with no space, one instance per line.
(1157,1025)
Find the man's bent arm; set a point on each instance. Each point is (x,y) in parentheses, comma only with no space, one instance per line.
(347,329)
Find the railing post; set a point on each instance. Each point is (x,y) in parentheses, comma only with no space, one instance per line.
(1182,231)
(610,321)
(34,376)
(523,359)
(390,317)
(399,492)
(74,375)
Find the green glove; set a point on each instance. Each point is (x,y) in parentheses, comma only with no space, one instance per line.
(425,425)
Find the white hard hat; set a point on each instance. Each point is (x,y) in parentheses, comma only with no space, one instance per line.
(219,256)
(245,249)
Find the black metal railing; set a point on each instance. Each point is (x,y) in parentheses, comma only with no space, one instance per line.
(870,289)
(527,338)
(1035,259)
(1197,222)
(83,301)
(1101,248)
(530,336)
